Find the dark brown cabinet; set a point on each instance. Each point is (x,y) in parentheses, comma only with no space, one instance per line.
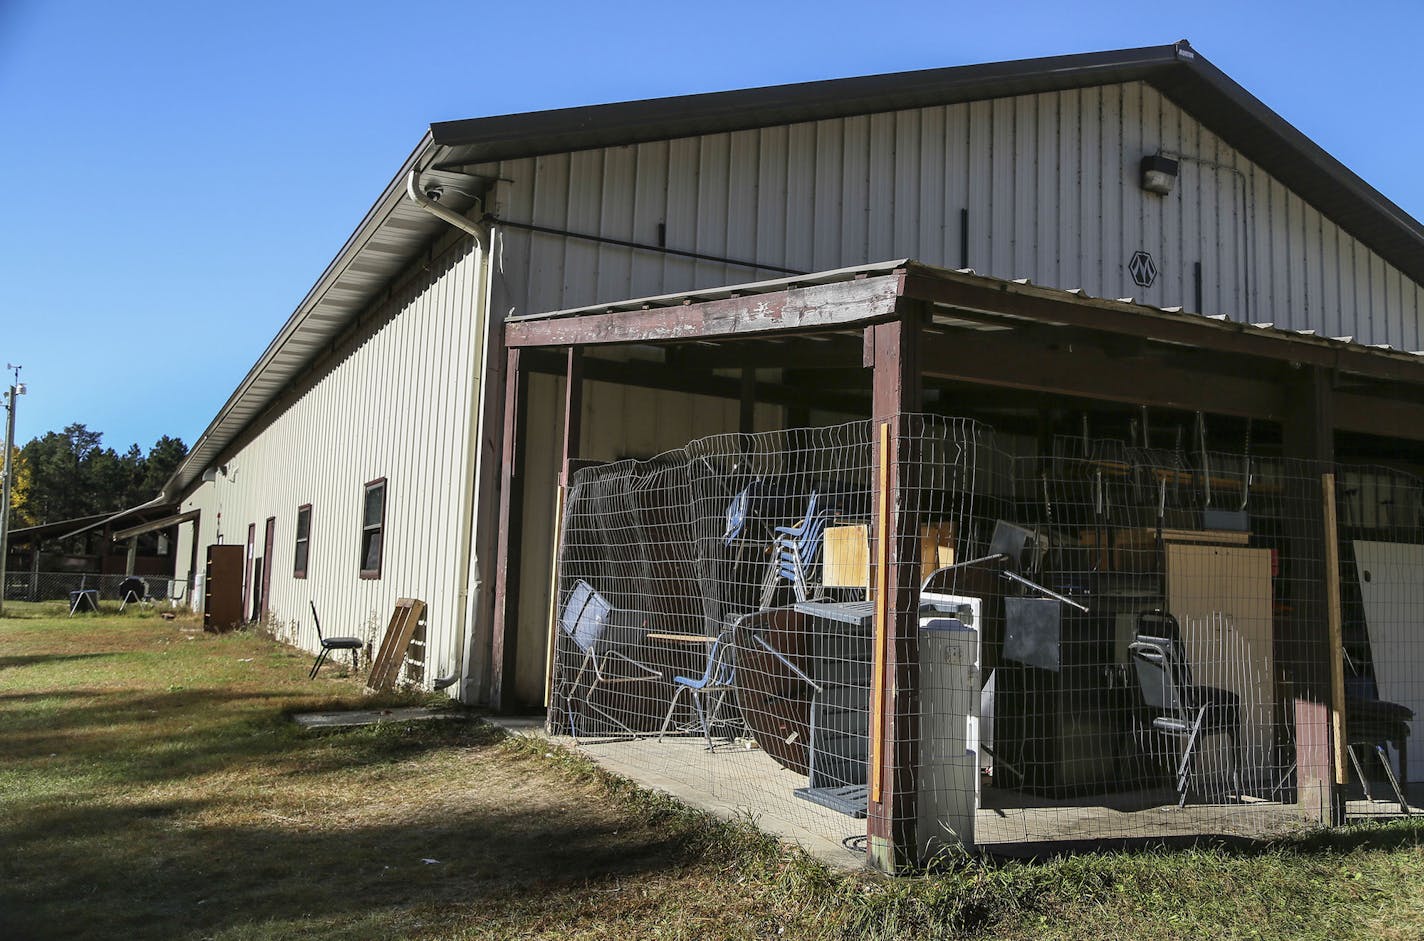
(222,589)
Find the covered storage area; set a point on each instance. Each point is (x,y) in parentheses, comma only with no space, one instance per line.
(973,562)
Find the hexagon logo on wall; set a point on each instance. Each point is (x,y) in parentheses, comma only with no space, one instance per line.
(1143,269)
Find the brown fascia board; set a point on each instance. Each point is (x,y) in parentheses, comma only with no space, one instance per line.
(1181,73)
(478,140)
(1274,144)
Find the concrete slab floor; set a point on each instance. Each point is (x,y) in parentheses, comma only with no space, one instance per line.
(740,781)
(333,720)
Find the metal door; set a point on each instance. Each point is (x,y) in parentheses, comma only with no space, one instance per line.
(267,541)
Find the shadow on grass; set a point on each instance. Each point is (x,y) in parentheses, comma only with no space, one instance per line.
(157,870)
(30,660)
(146,738)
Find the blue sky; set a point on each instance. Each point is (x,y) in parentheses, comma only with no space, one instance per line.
(179,174)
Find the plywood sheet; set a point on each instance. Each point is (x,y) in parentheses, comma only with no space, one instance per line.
(1221,598)
(1391,577)
(847,554)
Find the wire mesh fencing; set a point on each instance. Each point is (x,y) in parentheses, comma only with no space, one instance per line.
(1381,550)
(59,586)
(900,632)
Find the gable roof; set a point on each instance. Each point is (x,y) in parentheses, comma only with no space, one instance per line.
(394,231)
(1177,71)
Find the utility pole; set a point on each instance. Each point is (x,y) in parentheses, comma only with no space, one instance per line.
(16,388)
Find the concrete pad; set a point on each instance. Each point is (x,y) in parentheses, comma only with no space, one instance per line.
(335,720)
(517,725)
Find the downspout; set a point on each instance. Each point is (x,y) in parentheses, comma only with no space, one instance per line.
(466,614)
(417,196)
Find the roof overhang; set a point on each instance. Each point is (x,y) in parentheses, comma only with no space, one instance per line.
(392,233)
(66,529)
(164,523)
(975,324)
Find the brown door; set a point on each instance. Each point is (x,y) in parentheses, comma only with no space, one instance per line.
(267,541)
(222,588)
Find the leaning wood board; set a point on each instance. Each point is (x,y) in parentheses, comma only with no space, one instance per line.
(1236,653)
(1391,578)
(387,665)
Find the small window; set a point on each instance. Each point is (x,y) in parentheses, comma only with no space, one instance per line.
(373,524)
(303,552)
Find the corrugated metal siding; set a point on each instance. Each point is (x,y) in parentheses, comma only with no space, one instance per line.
(1050,182)
(398,405)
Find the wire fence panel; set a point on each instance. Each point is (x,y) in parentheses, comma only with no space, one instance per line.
(1381,549)
(1100,642)
(57,586)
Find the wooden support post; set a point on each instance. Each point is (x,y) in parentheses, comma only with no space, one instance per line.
(1335,619)
(892,350)
(573,412)
(131,556)
(1304,646)
(509,551)
(573,437)
(746,418)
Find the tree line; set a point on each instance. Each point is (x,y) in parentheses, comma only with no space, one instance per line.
(68,474)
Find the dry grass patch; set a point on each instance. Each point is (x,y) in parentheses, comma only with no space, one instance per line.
(153,786)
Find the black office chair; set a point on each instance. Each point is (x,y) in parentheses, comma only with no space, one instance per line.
(1369,723)
(328,644)
(1183,708)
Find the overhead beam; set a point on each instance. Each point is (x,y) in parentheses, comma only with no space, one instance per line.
(1087,372)
(164,523)
(810,308)
(1041,304)
(799,353)
(645,375)
(1387,418)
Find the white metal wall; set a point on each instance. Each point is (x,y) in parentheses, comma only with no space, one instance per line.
(1050,181)
(400,405)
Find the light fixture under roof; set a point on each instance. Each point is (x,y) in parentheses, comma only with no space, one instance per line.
(1159,174)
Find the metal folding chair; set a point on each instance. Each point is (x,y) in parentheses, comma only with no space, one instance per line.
(1184,710)
(584,621)
(328,644)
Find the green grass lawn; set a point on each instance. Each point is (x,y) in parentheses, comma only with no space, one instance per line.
(153,786)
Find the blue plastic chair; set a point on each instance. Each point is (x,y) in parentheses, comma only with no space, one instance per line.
(739,512)
(718,679)
(796,550)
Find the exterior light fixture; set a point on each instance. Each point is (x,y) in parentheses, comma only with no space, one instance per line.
(1159,173)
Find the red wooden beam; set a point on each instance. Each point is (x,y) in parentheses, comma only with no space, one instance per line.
(1304,648)
(1086,371)
(1051,306)
(809,308)
(509,551)
(894,352)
